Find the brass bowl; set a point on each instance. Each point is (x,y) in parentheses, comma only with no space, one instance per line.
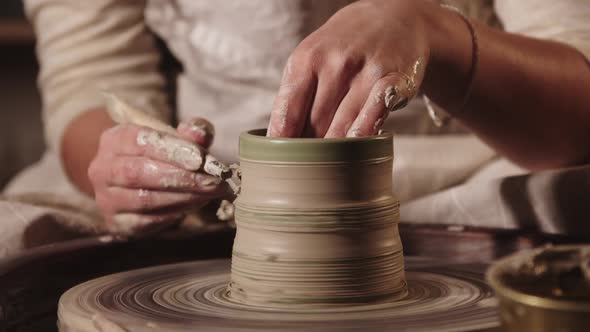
(530,293)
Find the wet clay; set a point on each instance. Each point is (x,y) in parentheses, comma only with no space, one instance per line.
(315,228)
(553,273)
(442,296)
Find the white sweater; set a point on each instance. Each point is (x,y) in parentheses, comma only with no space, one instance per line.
(233,52)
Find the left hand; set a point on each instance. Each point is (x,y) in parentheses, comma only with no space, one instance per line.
(345,78)
(145,181)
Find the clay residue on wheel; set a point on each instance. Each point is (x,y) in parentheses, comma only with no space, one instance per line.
(441,296)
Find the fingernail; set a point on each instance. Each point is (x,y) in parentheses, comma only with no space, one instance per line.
(199,127)
(175,149)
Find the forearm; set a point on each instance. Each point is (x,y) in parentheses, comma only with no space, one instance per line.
(83,50)
(529,98)
(79,146)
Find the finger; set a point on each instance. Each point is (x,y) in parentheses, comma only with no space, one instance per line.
(133,140)
(144,173)
(348,109)
(198,131)
(144,200)
(388,94)
(333,85)
(292,103)
(129,224)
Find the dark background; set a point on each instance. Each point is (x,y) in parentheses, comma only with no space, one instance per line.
(11,9)
(21,136)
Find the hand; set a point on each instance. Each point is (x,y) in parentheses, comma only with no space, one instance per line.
(345,78)
(145,180)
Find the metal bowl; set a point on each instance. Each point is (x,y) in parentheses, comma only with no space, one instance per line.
(544,289)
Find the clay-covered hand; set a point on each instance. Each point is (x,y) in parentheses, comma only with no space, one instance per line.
(342,80)
(145,180)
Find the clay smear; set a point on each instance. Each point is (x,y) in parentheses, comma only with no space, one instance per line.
(175,149)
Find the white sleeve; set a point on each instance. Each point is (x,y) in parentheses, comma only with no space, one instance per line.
(565,21)
(85,47)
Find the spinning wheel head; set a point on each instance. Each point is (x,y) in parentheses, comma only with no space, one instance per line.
(192,297)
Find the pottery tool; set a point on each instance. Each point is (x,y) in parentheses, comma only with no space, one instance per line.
(442,296)
(123,113)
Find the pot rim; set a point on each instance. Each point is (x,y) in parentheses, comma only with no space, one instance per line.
(256,146)
(497,269)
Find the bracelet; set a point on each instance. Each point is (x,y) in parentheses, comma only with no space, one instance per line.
(441,119)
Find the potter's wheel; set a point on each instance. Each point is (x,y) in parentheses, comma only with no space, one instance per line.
(31,283)
(190,296)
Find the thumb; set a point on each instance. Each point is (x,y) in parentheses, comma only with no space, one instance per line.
(198,131)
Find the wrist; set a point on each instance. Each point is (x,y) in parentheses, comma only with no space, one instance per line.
(449,73)
(80,144)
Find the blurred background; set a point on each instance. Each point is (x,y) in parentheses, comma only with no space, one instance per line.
(21,136)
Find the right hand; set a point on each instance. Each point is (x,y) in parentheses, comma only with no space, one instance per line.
(145,180)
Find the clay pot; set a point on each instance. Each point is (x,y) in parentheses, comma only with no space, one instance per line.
(316,222)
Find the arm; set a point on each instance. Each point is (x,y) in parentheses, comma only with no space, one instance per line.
(80,144)
(142,180)
(84,48)
(529,98)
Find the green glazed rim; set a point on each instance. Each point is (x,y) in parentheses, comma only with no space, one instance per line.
(255,146)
